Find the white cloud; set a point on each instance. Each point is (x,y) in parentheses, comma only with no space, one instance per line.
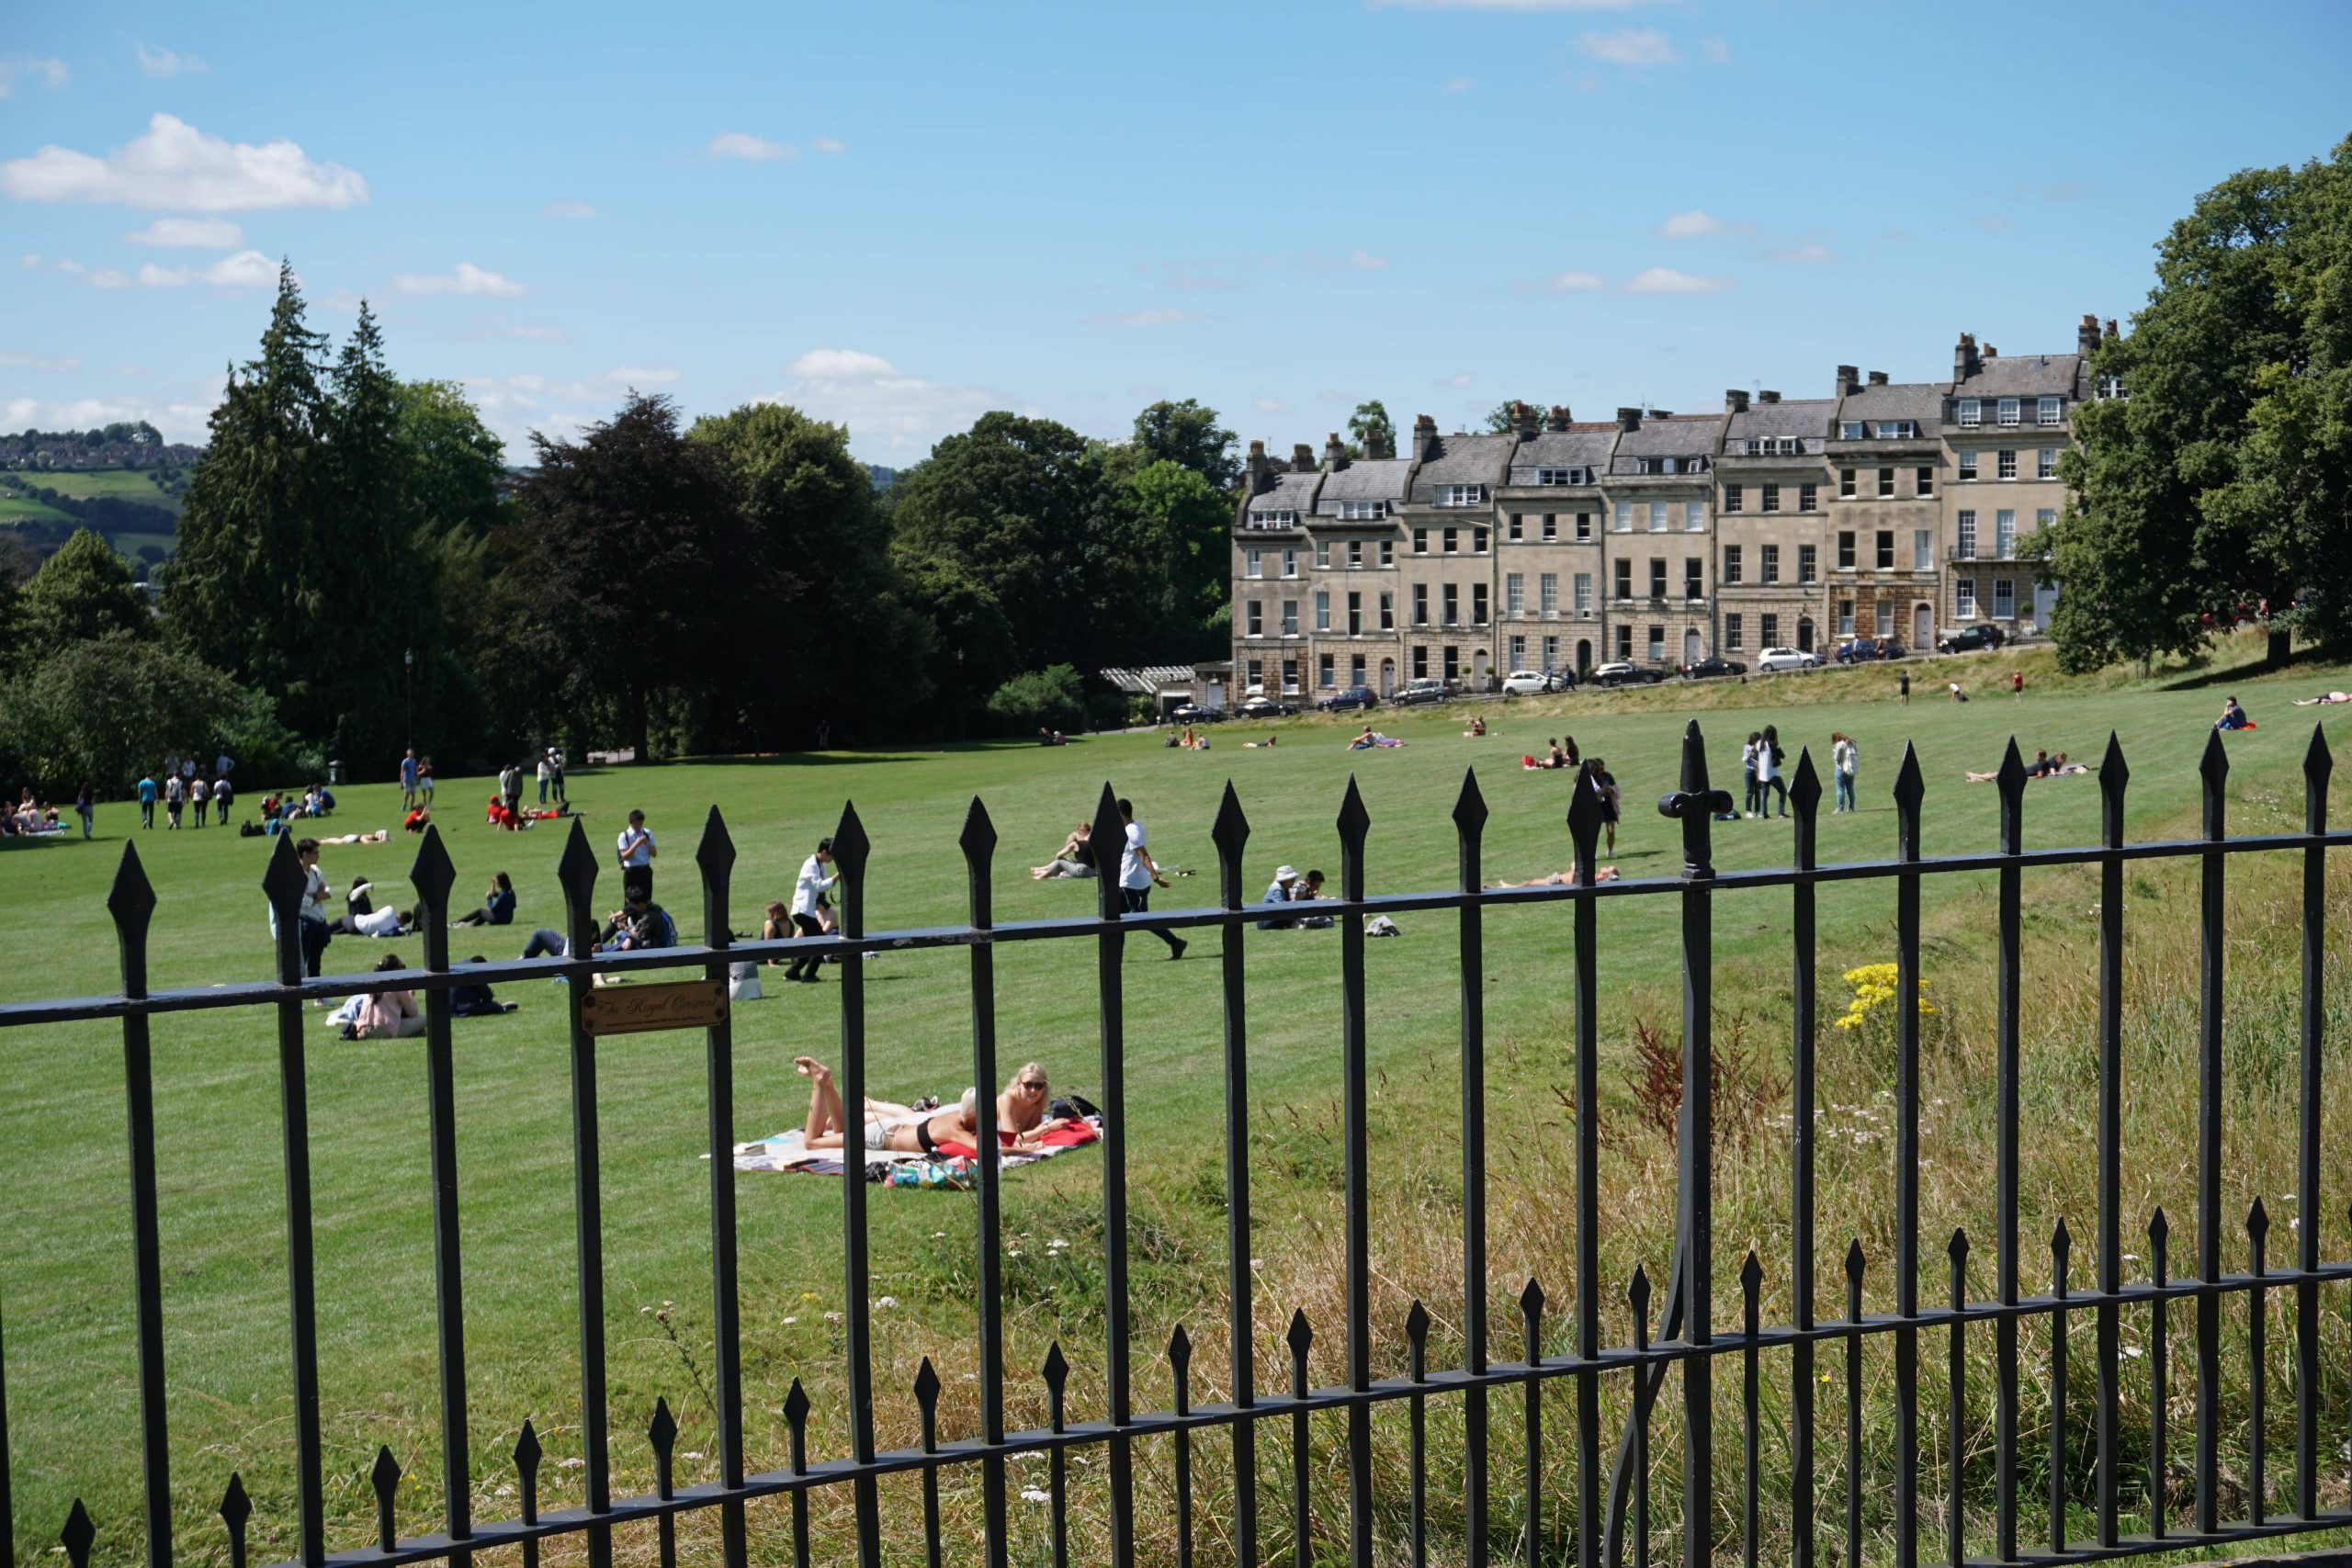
(102,277)
(1993,223)
(1159,316)
(1184,282)
(1515,5)
(1459,379)
(174,165)
(247,269)
(1692,225)
(189,233)
(29,260)
(1569,282)
(1364,261)
(536,335)
(1716,47)
(1812,253)
(1666,280)
(1459,84)
(14,68)
(883,406)
(35,362)
(566,210)
(467,278)
(640,376)
(755,149)
(183,417)
(1358,259)
(1268,405)
(828,147)
(163,63)
(1629,46)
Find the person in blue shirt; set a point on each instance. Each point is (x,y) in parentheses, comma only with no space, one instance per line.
(497,905)
(1282,891)
(146,800)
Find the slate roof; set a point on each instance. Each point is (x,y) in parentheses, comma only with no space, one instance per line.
(1148,679)
(1376,478)
(1578,446)
(1809,419)
(1464,460)
(1292,492)
(1680,436)
(1922,401)
(2024,376)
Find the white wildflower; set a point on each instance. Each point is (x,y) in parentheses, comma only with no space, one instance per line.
(1035,1494)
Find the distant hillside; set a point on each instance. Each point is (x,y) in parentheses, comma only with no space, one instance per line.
(137,445)
(135,510)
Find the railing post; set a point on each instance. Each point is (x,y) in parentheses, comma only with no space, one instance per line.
(1109,955)
(2106,1327)
(2008,989)
(432,877)
(2214,770)
(1804,997)
(1231,835)
(978,843)
(715,858)
(1908,789)
(1594,1522)
(851,847)
(1469,828)
(131,902)
(1356,1177)
(577,873)
(1694,1218)
(2317,765)
(286,884)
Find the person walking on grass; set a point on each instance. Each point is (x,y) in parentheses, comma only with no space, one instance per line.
(198,796)
(2017,683)
(1769,782)
(1903,686)
(636,848)
(1842,761)
(809,893)
(1753,795)
(84,807)
(408,780)
(547,776)
(221,795)
(1138,876)
(147,800)
(175,797)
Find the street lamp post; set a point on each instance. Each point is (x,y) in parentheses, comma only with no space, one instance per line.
(408,672)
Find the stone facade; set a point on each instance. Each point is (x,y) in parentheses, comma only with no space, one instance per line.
(1888,509)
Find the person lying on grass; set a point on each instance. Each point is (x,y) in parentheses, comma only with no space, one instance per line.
(2323,701)
(1021,1118)
(1560,878)
(2043,766)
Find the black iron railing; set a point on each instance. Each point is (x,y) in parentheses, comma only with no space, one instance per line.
(1693,1333)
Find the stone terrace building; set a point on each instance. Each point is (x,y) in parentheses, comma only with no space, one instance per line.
(1887,509)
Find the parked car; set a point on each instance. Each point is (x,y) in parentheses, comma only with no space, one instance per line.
(1348,698)
(1774,659)
(1624,674)
(1194,713)
(1530,682)
(1265,708)
(1708,669)
(1969,638)
(1428,689)
(1889,648)
(1858,650)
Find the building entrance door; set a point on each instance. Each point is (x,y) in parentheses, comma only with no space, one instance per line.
(1923,627)
(1690,654)
(1584,654)
(1804,635)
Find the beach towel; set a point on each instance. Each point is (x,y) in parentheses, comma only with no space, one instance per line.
(954,1164)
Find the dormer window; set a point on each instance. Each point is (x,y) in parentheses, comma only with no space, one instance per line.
(1972,412)
(1774,445)
(1563,475)
(2046,411)
(2111,387)
(2009,411)
(1273,517)
(1461,496)
(1849,429)
(1896,429)
(1362,511)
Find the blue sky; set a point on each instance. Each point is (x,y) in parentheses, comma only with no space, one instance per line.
(899,216)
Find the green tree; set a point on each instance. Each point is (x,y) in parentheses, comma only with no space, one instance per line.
(1053,698)
(84,590)
(1371,416)
(1502,419)
(104,708)
(1178,531)
(2222,480)
(968,645)
(632,581)
(1188,433)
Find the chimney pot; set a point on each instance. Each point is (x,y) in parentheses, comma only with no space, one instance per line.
(1964,360)
(1849,380)
(1425,442)
(1559,419)
(1302,457)
(1376,443)
(1991,353)
(2110,326)
(1768,397)
(2086,336)
(1629,419)
(1736,400)
(1878,378)
(1334,454)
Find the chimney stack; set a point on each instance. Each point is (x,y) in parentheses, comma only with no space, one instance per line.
(1735,400)
(2110,326)
(1259,468)
(1425,445)
(1335,455)
(1878,378)
(1376,443)
(1629,420)
(1558,420)
(1964,361)
(2086,336)
(1849,380)
(1768,397)
(1525,420)
(1991,353)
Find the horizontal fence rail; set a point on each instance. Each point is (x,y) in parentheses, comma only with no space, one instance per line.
(1636,1336)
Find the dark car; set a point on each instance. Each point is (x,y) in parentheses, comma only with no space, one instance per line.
(1969,639)
(1194,713)
(1859,650)
(1265,708)
(1708,669)
(1349,698)
(1428,689)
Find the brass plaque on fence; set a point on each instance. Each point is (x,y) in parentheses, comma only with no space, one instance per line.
(634,1009)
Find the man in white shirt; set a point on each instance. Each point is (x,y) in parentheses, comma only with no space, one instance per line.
(636,848)
(175,794)
(1139,875)
(546,772)
(808,894)
(198,796)
(311,911)
(387,922)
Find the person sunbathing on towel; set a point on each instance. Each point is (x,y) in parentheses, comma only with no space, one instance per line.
(1560,878)
(2323,701)
(1020,1111)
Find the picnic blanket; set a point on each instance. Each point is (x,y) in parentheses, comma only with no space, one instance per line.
(954,1166)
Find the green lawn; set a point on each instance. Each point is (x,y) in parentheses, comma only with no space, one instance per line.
(66,1294)
(123,484)
(14,507)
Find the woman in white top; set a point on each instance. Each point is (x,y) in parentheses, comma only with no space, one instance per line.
(1767,773)
(1842,760)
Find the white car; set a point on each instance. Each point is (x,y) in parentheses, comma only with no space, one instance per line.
(1527,682)
(1774,659)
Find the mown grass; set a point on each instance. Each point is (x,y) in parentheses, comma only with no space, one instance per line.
(91,484)
(64,1255)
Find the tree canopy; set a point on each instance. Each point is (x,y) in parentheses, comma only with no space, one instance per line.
(83,592)
(2219,484)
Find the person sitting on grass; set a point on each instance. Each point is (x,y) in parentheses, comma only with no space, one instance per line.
(1021,1118)
(1075,858)
(1370,739)
(2232,716)
(497,905)
(390,1015)
(1477,729)
(475,1002)
(1282,890)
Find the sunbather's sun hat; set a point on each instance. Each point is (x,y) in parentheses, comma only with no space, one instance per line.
(1286,874)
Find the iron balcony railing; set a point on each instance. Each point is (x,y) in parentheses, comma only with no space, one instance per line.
(1692,1331)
